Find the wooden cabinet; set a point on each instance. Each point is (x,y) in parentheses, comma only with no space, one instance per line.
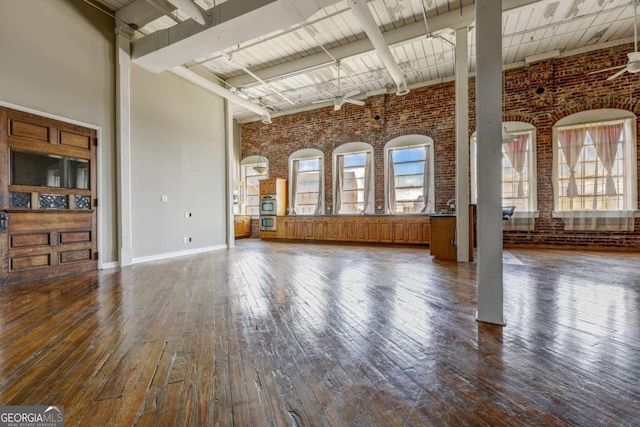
(385,230)
(331,229)
(320,229)
(268,187)
(417,231)
(443,235)
(242,225)
(399,230)
(358,228)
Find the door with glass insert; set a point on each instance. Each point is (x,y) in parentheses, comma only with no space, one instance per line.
(48,196)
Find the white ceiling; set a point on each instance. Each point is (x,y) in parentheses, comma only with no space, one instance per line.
(299,61)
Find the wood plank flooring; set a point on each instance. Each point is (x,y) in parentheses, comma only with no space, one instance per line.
(269,334)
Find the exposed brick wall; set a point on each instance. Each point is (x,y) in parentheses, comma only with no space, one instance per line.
(430,111)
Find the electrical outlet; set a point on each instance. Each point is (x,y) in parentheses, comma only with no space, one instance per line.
(187,214)
(164,198)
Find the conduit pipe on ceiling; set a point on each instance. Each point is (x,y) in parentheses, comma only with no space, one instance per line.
(367,22)
(191,9)
(212,87)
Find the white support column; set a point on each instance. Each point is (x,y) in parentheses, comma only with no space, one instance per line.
(462,144)
(229,166)
(123,141)
(489,125)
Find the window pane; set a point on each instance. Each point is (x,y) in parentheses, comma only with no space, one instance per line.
(47,170)
(353,183)
(409,168)
(308,184)
(591,175)
(409,194)
(401,155)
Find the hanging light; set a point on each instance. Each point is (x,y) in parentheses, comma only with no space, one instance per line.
(261,165)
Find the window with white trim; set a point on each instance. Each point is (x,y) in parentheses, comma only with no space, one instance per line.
(519,184)
(306,175)
(595,170)
(353,179)
(251,181)
(409,175)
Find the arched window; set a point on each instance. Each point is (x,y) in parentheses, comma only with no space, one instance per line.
(251,172)
(353,182)
(519,184)
(306,181)
(409,175)
(594,170)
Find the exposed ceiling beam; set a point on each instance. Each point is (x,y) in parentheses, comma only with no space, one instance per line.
(229,23)
(454,19)
(362,13)
(140,12)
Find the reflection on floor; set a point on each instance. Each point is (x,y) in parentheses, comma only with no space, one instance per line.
(510,258)
(272,333)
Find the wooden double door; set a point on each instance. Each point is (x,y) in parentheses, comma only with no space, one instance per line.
(47,198)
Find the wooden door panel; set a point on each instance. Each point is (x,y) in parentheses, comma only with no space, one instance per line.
(29,240)
(57,240)
(75,140)
(72,256)
(30,262)
(34,132)
(75,236)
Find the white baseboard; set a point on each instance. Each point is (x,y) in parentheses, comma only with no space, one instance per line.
(109,265)
(158,257)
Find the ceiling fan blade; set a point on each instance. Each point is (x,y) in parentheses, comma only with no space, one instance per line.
(619,73)
(606,69)
(354,101)
(352,93)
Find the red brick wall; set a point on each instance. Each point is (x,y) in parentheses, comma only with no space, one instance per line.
(430,111)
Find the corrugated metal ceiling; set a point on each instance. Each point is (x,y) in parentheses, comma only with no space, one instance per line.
(544,26)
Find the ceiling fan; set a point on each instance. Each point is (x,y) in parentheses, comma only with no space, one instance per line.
(633,65)
(338,100)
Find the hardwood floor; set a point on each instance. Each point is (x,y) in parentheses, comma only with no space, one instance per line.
(270,333)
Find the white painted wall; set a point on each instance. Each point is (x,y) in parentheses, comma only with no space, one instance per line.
(177,150)
(57,58)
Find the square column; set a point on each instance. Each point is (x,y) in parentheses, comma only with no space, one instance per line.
(489,132)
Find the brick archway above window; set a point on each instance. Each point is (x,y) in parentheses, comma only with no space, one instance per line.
(612,102)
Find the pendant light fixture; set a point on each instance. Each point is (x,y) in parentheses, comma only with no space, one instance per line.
(261,164)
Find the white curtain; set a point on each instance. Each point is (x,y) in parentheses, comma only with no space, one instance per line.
(391,183)
(426,180)
(516,152)
(571,141)
(339,184)
(368,169)
(318,210)
(605,141)
(295,167)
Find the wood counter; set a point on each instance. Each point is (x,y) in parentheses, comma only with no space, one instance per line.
(394,229)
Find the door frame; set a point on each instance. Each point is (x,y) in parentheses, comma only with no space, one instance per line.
(99,166)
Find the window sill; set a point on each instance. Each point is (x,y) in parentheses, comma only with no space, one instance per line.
(597,220)
(595,214)
(521,221)
(527,214)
